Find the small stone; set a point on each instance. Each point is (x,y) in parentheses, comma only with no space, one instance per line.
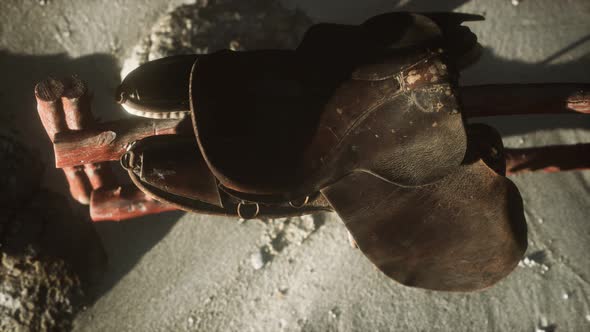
(335,313)
(545,326)
(257,260)
(535,260)
(565,296)
(515,2)
(191,321)
(352,241)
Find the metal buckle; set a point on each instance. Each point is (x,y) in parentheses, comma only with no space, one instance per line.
(305,201)
(243,203)
(128,159)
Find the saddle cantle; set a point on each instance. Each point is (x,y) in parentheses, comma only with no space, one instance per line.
(361,120)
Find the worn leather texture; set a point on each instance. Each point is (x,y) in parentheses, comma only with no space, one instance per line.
(170,169)
(462,233)
(407,127)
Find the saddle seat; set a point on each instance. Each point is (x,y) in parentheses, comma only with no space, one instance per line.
(255,121)
(285,132)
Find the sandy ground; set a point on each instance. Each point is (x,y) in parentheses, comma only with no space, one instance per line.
(183,272)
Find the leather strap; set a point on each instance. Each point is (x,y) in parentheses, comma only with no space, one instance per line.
(168,169)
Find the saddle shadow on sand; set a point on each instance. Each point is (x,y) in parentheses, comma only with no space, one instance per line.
(124,242)
(492,69)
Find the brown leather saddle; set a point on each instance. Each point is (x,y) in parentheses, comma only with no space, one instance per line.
(361,120)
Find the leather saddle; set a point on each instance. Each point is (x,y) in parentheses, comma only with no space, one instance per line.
(361,120)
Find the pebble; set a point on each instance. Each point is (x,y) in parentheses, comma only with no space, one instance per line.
(335,313)
(532,261)
(257,260)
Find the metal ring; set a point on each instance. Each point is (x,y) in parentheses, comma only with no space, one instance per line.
(302,204)
(126,160)
(242,203)
(130,146)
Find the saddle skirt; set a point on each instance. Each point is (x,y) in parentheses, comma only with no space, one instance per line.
(371,129)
